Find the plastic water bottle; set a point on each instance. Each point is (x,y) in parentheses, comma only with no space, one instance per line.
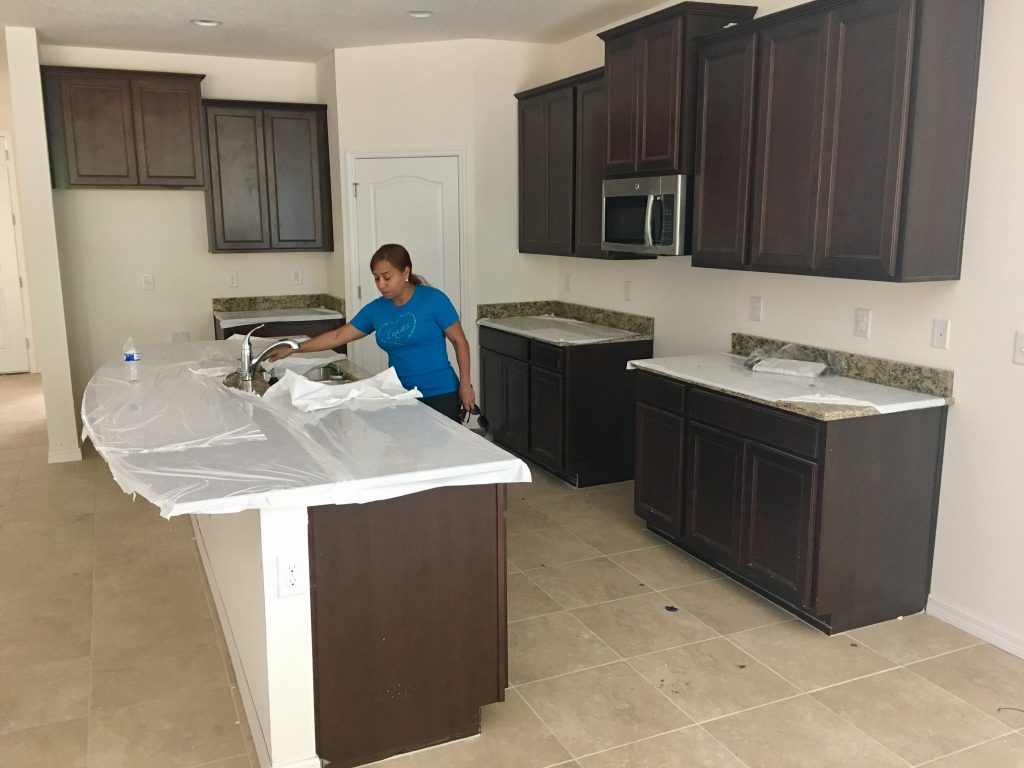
(131,360)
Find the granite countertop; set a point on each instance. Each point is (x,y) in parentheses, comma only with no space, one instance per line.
(560,331)
(825,398)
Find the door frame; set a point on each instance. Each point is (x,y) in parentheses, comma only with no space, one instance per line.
(19,249)
(352,262)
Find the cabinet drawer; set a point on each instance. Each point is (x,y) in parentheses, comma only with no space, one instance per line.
(765,425)
(547,356)
(660,392)
(508,344)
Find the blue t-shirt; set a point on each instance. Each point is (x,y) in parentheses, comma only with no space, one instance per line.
(413,336)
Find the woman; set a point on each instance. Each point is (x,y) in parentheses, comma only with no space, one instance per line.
(412,320)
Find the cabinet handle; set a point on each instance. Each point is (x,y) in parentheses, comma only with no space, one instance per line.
(647,220)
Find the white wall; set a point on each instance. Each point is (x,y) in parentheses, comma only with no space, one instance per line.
(977,579)
(109,238)
(6,118)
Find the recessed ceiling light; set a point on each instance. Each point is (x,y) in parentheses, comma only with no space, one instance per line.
(421,14)
(206,22)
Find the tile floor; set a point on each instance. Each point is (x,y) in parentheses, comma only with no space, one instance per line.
(111,655)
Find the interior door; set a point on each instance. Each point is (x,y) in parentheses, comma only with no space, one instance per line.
(414,201)
(13,346)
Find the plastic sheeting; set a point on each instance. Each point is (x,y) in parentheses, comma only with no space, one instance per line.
(187,443)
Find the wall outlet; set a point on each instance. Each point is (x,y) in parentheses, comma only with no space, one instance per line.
(232,279)
(568,282)
(627,290)
(179,336)
(292,577)
(940,334)
(1018,348)
(756,309)
(297,277)
(148,282)
(862,323)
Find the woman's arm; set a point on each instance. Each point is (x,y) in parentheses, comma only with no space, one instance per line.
(326,340)
(455,334)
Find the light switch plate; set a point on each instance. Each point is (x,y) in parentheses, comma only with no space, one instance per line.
(757,308)
(148,282)
(1018,348)
(862,323)
(627,290)
(940,334)
(232,279)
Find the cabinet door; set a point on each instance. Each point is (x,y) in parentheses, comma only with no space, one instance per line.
(778,536)
(168,135)
(546,165)
(591,134)
(621,78)
(516,398)
(238,179)
(660,61)
(725,120)
(865,138)
(715,482)
(660,468)
(99,132)
(299,220)
(787,156)
(547,408)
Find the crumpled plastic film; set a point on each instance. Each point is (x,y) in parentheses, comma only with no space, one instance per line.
(195,446)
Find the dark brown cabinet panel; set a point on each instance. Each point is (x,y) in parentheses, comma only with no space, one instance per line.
(862,136)
(547,395)
(715,482)
(591,131)
(546,167)
(516,388)
(650,68)
(123,129)
(659,481)
(269,177)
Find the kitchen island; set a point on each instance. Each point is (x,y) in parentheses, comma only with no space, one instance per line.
(356,554)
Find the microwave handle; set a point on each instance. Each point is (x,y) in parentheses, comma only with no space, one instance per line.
(647,220)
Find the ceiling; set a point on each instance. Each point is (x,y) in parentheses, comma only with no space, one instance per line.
(305,30)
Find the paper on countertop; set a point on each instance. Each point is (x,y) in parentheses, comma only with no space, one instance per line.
(805,368)
(822,398)
(310,396)
(301,362)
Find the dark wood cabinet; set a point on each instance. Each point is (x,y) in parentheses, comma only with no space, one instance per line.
(834,520)
(569,409)
(650,70)
(834,139)
(591,131)
(115,128)
(269,177)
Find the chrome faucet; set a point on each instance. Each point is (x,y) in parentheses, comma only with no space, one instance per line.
(249,366)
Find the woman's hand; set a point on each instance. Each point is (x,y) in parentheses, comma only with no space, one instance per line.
(279,354)
(467,397)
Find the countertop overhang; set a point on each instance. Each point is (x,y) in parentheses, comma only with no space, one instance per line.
(250,316)
(560,331)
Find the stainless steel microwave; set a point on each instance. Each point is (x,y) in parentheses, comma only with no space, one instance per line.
(645,215)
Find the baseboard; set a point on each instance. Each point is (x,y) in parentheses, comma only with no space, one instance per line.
(990,632)
(67,454)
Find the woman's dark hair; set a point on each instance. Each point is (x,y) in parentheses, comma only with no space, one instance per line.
(396,255)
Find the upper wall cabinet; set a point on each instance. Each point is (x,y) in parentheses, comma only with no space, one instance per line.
(834,139)
(113,128)
(269,177)
(651,77)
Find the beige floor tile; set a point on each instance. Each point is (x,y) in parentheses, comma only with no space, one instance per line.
(59,745)
(693,746)
(808,658)
(53,508)
(78,485)
(637,625)
(913,638)
(623,493)
(242,761)
(909,715)
(123,678)
(43,693)
(180,731)
(552,645)
(547,546)
(1005,752)
(542,486)
(578,507)
(26,638)
(983,675)
(511,736)
(799,733)
(665,567)
(525,517)
(726,606)
(712,678)
(611,533)
(526,599)
(601,708)
(47,594)
(586,582)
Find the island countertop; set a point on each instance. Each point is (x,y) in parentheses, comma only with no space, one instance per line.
(188,444)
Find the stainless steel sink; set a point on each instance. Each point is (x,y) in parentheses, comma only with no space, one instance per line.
(329,374)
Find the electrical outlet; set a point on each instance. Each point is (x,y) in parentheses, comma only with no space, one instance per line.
(940,334)
(232,279)
(627,290)
(292,577)
(862,323)
(297,277)
(756,309)
(568,283)
(1018,348)
(148,282)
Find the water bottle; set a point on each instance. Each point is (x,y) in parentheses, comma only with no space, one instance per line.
(131,360)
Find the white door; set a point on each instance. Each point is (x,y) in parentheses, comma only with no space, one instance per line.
(413,201)
(13,346)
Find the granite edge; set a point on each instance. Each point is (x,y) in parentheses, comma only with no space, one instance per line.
(639,324)
(292,301)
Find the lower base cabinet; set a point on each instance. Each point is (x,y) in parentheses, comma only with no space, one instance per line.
(834,520)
